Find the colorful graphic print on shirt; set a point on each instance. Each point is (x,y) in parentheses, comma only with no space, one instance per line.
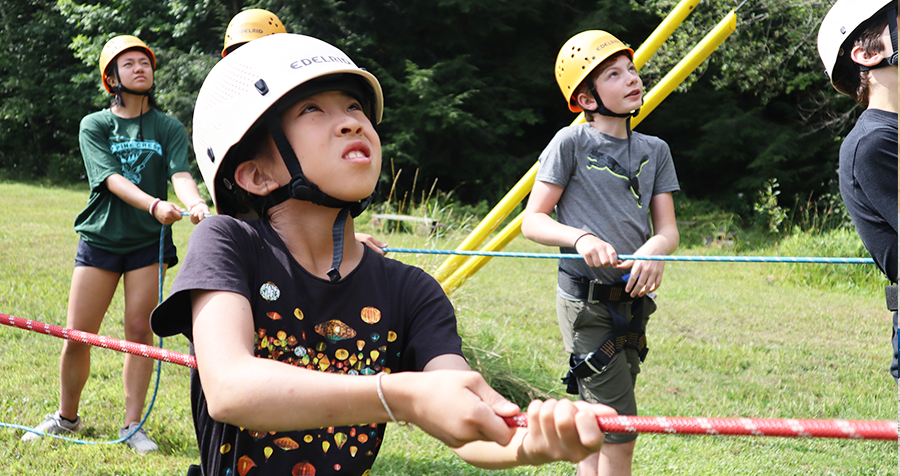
(334,346)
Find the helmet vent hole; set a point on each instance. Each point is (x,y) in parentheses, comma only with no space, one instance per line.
(210,154)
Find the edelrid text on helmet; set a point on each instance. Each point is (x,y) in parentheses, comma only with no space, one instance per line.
(319,60)
(579,56)
(249,25)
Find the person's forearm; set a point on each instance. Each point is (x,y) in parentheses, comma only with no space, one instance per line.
(185,189)
(129,192)
(295,398)
(662,243)
(543,229)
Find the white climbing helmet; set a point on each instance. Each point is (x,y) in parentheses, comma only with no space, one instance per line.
(844,18)
(243,86)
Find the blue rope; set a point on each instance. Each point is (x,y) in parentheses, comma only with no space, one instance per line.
(162,236)
(737,259)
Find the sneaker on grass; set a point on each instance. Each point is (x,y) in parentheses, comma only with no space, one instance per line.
(139,442)
(55,425)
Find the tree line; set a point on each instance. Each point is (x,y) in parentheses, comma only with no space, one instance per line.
(470,98)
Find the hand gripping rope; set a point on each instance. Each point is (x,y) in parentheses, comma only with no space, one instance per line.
(863,430)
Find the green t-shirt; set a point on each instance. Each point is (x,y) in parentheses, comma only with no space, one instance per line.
(110,145)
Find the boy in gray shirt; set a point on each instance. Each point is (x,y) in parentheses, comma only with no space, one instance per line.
(611,190)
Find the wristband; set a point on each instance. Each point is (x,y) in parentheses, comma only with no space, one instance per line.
(153,206)
(582,236)
(384,402)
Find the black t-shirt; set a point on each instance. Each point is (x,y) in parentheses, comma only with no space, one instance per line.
(383,316)
(868,178)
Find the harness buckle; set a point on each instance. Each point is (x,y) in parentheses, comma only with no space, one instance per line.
(587,361)
(590,296)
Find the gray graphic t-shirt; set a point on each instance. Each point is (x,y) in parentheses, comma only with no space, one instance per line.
(607,187)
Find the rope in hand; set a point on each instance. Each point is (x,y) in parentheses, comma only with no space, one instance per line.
(852,429)
(731,259)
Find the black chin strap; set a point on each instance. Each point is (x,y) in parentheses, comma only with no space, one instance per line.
(337,236)
(604,111)
(892,28)
(119,89)
(892,22)
(300,188)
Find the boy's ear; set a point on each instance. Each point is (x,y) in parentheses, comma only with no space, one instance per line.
(859,55)
(585,100)
(252,178)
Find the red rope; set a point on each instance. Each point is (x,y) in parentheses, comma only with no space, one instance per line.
(134,348)
(862,430)
(853,429)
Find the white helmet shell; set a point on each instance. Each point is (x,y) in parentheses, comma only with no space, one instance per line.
(248,82)
(839,24)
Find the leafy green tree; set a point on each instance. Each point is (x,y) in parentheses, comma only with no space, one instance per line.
(470,96)
(39,106)
(761,107)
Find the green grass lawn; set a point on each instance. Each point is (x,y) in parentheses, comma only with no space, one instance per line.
(729,340)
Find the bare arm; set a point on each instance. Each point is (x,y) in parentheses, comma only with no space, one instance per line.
(646,275)
(186,190)
(539,226)
(454,405)
(371,242)
(167,213)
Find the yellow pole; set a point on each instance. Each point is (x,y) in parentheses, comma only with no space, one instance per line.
(489,223)
(523,187)
(680,72)
(663,31)
(677,75)
(471,266)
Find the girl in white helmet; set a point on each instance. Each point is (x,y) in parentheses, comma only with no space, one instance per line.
(858,46)
(256,23)
(131,152)
(306,342)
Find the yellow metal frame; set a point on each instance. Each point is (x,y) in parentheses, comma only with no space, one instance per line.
(454,271)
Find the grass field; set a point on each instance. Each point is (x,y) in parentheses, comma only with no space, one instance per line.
(728,340)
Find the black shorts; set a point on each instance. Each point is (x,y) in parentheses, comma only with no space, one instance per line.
(94,257)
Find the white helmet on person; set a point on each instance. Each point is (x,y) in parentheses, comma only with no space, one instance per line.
(244,95)
(250,82)
(840,24)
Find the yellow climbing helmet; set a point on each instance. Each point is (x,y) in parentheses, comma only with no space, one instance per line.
(117,45)
(250,25)
(580,55)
